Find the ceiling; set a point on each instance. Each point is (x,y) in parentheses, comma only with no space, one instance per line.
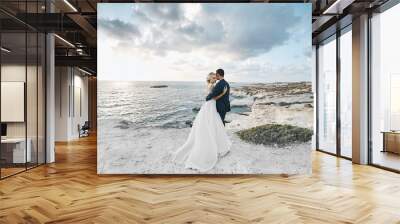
(75,22)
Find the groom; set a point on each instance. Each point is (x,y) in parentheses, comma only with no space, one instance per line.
(223,104)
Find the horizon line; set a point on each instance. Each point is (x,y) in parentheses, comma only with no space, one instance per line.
(107,80)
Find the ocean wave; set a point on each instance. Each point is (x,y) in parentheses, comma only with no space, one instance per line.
(123,124)
(245,101)
(177,124)
(140,106)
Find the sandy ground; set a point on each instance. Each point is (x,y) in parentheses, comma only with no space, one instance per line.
(149,151)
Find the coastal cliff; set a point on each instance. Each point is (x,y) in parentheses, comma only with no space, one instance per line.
(272,105)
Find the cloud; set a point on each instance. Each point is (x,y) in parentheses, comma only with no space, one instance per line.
(118,29)
(250,41)
(164,12)
(268,72)
(191,29)
(235,31)
(255,29)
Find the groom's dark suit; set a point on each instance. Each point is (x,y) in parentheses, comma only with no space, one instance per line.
(223,104)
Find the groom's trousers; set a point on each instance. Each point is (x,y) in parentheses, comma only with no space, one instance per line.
(222,115)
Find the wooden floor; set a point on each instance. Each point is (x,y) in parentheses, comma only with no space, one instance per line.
(387,159)
(70,191)
(5,172)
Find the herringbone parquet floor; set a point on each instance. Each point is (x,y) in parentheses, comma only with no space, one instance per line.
(70,191)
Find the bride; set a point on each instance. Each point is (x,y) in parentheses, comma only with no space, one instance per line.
(207,139)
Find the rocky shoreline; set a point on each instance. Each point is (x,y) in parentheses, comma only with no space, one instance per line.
(273,103)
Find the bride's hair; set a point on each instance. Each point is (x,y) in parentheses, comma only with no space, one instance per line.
(209,77)
(210,85)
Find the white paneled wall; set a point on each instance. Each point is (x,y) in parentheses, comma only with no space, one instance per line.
(71,102)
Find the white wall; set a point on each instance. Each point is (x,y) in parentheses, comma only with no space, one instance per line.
(62,82)
(13,100)
(79,117)
(70,83)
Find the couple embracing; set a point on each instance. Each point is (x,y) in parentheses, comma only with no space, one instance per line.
(208,139)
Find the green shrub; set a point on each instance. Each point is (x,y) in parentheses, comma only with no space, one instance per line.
(271,134)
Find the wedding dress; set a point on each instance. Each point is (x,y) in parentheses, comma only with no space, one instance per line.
(206,142)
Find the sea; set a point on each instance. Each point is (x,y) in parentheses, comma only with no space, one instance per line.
(173,106)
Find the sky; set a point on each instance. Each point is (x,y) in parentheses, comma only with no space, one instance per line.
(252,42)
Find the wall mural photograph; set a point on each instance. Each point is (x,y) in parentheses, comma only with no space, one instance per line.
(204,88)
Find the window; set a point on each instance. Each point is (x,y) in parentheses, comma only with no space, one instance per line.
(22,88)
(385,89)
(327,95)
(346,92)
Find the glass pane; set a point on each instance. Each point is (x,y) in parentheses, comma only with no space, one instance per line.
(41,99)
(327,96)
(31,98)
(32,87)
(346,93)
(13,88)
(386,89)
(314,84)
